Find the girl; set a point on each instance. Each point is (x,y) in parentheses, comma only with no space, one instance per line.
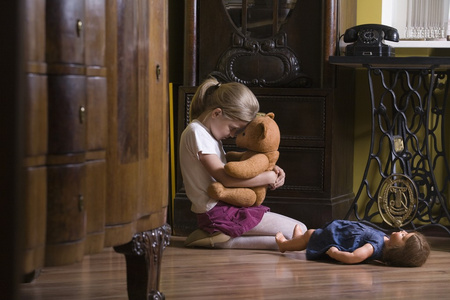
(219,111)
(353,242)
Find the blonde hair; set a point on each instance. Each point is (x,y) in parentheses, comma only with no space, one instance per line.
(414,254)
(235,99)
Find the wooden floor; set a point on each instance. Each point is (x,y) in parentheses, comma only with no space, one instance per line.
(248,274)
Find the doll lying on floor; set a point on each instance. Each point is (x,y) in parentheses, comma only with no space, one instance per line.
(353,242)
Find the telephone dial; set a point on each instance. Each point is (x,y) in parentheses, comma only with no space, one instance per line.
(368,40)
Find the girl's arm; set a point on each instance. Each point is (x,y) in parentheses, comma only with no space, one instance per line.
(357,256)
(215,167)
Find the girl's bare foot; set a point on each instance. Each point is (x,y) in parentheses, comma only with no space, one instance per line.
(280,239)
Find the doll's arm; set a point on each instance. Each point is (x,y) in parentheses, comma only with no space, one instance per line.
(357,256)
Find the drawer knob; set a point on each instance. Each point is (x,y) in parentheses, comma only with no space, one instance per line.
(79,27)
(82,114)
(80,203)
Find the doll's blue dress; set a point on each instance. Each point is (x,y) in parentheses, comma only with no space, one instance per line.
(346,236)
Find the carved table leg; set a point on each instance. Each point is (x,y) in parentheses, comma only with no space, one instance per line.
(143,258)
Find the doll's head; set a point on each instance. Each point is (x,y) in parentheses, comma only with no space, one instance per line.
(413,253)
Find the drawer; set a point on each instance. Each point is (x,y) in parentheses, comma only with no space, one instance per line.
(35,30)
(300,118)
(304,168)
(67,114)
(96,113)
(95,198)
(66,214)
(34,222)
(65,32)
(36,120)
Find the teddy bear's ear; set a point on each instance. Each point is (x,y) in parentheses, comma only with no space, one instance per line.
(262,129)
(271,115)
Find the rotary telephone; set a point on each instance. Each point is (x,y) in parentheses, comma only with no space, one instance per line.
(368,40)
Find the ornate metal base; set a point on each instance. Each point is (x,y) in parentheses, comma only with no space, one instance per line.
(143,257)
(407,175)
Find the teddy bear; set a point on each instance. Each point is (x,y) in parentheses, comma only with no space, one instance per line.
(261,139)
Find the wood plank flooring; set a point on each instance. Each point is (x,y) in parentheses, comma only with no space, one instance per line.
(247,274)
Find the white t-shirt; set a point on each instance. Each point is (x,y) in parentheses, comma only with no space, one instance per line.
(196,138)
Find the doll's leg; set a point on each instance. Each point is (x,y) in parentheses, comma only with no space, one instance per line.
(297,243)
(297,231)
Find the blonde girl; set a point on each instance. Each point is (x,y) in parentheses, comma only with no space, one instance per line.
(219,111)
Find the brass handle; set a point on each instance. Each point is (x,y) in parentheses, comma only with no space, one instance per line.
(82,114)
(80,202)
(79,27)
(158,72)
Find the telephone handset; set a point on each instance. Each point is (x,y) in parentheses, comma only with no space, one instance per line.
(368,40)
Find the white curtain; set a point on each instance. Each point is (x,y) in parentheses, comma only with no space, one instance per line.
(427,19)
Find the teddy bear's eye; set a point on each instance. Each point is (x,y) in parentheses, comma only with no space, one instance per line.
(243,133)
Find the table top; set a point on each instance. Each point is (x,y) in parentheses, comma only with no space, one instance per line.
(407,62)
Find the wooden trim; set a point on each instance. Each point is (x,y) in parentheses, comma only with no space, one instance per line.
(190,43)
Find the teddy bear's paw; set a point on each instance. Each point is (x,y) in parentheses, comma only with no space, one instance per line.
(260,195)
(216,190)
(243,197)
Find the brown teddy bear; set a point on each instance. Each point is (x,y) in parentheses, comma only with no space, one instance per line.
(261,138)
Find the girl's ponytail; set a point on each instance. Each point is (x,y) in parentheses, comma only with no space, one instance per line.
(199,102)
(236,101)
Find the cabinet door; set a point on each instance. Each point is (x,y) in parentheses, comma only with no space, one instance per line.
(65,32)
(67,114)
(158,159)
(137,154)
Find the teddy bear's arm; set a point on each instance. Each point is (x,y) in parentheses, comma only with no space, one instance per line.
(234,155)
(249,167)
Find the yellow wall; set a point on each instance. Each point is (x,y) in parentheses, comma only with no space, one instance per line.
(368,12)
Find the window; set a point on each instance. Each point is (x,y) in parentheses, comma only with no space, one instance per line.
(425,20)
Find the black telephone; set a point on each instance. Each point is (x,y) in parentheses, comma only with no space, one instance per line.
(368,40)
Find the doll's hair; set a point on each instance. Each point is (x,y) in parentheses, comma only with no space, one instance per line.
(414,253)
(235,99)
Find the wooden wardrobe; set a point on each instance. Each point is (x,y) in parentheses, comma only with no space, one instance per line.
(96,133)
(280,49)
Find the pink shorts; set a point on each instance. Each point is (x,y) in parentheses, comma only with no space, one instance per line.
(231,220)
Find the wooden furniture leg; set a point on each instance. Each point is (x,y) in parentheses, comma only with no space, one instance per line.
(143,258)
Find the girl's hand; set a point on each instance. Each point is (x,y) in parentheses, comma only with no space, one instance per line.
(280,178)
